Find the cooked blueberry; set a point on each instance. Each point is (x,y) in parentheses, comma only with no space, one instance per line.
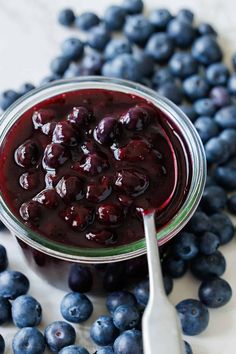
(13,284)
(114,17)
(131,182)
(55,155)
(194,316)
(105,350)
(220,96)
(66,17)
(26,155)
(132,6)
(138,29)
(232,204)
(217,74)
(129,342)
(70,188)
(80,116)
(205,107)
(215,292)
(5,311)
(58,335)
(92,164)
(59,65)
(103,331)
(185,15)
(147,66)
(160,18)
(97,192)
(116,47)
(189,111)
(174,266)
(98,38)
(217,150)
(137,118)
(118,298)
(195,87)
(3,258)
(161,76)
(110,214)
(92,63)
(186,246)
(107,130)
(226,117)
(43,116)
(78,217)
(207,128)
(26,311)
(206,28)
(48,198)
(223,227)
(87,20)
(141,292)
(226,177)
(30,211)
(80,278)
(7,98)
(72,48)
(209,243)
(182,65)
(205,266)
(181,32)
(2,345)
(160,47)
(135,150)
(126,317)
(64,134)
(206,50)
(199,223)
(103,237)
(188,348)
(28,340)
(25,88)
(214,199)
(76,307)
(73,349)
(172,91)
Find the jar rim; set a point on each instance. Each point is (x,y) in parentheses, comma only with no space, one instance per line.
(137,248)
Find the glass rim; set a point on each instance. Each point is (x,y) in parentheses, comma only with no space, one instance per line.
(137,248)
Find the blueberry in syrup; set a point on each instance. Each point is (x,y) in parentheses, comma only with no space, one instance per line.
(103,237)
(48,128)
(78,217)
(131,182)
(70,188)
(29,180)
(42,116)
(30,211)
(107,130)
(91,164)
(135,150)
(137,118)
(64,134)
(26,154)
(110,214)
(55,155)
(97,192)
(47,197)
(80,116)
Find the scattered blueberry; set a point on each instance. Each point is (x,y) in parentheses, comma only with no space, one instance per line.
(129,342)
(73,349)
(141,292)
(87,20)
(185,15)
(80,278)
(76,307)
(174,266)
(205,266)
(171,91)
(185,246)
(25,88)
(195,87)
(181,32)
(124,66)
(58,335)
(215,292)
(206,28)
(232,204)
(59,65)
(162,76)
(217,150)
(2,345)
(116,47)
(132,6)
(7,98)
(232,85)
(226,177)
(205,107)
(229,135)
(92,63)
(13,284)
(114,17)
(160,18)
(98,37)
(138,29)
(209,243)
(207,128)
(188,348)
(189,111)
(26,311)
(226,117)
(73,70)
(105,350)
(103,331)
(3,258)
(126,317)
(182,64)
(160,47)
(146,63)
(214,199)
(206,50)
(199,223)
(66,17)
(5,310)
(220,96)
(210,181)
(119,298)
(73,49)
(28,340)
(217,74)
(223,227)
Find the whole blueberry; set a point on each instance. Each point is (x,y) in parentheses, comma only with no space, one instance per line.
(73,349)
(73,70)
(226,117)
(72,48)
(66,17)
(206,50)
(92,63)
(232,161)
(7,98)
(105,350)
(59,65)
(189,110)
(207,128)
(138,29)
(87,20)
(13,284)
(114,17)
(210,181)
(28,340)
(141,292)
(182,65)
(129,342)
(181,32)
(209,243)
(162,76)
(185,15)
(185,246)
(103,331)
(232,204)
(232,85)
(114,278)
(80,278)
(223,227)
(3,258)
(25,88)
(217,74)
(50,78)
(98,37)
(2,345)
(214,199)
(217,150)
(195,87)
(76,307)
(160,18)
(146,63)
(160,47)
(194,316)
(26,311)
(199,223)
(188,348)
(124,66)
(117,298)
(206,28)
(226,177)
(5,310)
(205,107)
(229,135)
(205,266)
(116,47)
(172,91)
(174,266)
(168,284)
(107,130)
(126,317)
(220,96)
(58,335)
(215,292)
(132,6)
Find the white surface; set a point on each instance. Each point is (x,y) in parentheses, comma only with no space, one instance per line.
(30,38)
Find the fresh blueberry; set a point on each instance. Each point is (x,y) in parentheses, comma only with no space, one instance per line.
(87,20)
(232,85)
(28,340)
(226,177)
(160,47)
(50,78)
(215,292)
(217,74)
(73,349)
(141,292)
(199,223)
(210,181)
(72,48)
(92,64)
(132,7)
(185,15)
(171,91)
(205,107)
(168,284)
(114,278)
(124,66)
(98,37)
(59,65)
(181,32)
(220,96)
(25,88)
(209,243)
(116,47)
(126,317)
(174,266)
(189,110)
(58,335)
(3,258)
(188,348)
(185,246)
(76,307)
(146,63)
(182,65)
(160,18)
(206,29)
(5,310)
(138,29)
(217,150)
(195,87)
(129,342)
(162,76)
(2,345)
(105,350)
(13,284)
(66,17)
(214,199)
(194,316)
(7,98)
(226,117)
(114,17)
(207,128)
(103,331)
(223,227)
(232,161)
(73,70)
(80,278)
(229,135)
(205,266)
(206,50)
(232,204)
(118,298)
(26,311)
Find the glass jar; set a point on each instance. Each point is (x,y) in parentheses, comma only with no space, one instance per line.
(57,262)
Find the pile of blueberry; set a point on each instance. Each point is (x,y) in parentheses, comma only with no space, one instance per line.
(184,63)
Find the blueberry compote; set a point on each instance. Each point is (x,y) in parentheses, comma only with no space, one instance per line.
(80,168)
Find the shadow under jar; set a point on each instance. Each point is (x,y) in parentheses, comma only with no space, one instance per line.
(80,160)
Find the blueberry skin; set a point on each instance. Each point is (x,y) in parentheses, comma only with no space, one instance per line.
(232,85)
(206,50)
(194,316)
(74,70)
(80,278)
(188,348)
(183,65)
(7,98)
(132,7)
(146,63)
(171,91)
(13,284)
(72,48)
(199,223)
(2,345)
(98,37)
(195,87)
(119,298)
(162,76)
(223,227)
(205,29)
(226,177)
(103,331)
(92,64)
(174,266)
(168,284)
(126,317)
(59,65)
(226,117)
(189,111)
(76,307)
(129,342)
(116,47)
(26,311)
(5,310)
(214,199)
(73,349)
(66,17)
(185,246)
(3,258)
(204,267)
(207,128)
(105,350)
(114,278)
(181,32)
(185,15)
(25,88)
(160,47)
(210,181)
(138,29)
(205,107)
(124,66)
(215,292)
(217,74)
(28,340)
(232,204)
(160,18)
(220,96)
(141,292)
(87,20)
(209,243)
(217,150)
(58,335)
(229,135)
(114,17)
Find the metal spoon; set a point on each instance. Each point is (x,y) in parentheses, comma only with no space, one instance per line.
(160,323)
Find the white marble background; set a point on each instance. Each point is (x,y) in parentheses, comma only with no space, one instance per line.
(29,38)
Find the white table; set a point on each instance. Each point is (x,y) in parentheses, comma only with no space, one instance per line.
(30,38)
